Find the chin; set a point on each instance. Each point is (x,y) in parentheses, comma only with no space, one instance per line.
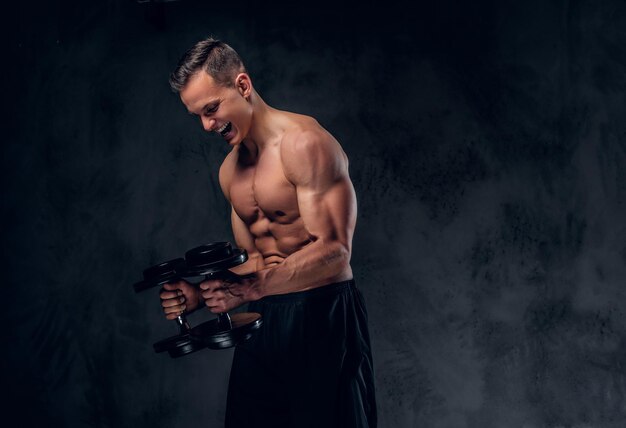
(235,141)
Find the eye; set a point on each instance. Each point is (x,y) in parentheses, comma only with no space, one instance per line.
(211,109)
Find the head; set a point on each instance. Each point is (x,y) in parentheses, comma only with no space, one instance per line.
(212,56)
(213,83)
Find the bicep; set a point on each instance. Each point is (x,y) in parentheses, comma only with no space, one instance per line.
(318,168)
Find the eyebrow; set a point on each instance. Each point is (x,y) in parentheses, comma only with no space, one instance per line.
(209,104)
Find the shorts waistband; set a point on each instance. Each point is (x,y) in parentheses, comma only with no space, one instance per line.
(302,296)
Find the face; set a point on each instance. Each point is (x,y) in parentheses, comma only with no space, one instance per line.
(224,110)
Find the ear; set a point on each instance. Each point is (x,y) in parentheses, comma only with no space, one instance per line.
(243,84)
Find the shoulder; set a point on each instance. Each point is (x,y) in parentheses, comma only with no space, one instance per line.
(309,150)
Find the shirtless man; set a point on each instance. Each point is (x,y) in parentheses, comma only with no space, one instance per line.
(294,212)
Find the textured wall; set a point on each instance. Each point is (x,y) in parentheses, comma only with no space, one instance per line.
(488,149)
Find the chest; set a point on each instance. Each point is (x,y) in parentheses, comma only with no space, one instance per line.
(262,190)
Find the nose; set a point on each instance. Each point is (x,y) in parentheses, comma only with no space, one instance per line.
(207,123)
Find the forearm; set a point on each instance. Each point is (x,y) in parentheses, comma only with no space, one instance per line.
(249,267)
(314,265)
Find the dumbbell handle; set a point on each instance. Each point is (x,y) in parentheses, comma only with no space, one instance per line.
(223,322)
(223,319)
(183,324)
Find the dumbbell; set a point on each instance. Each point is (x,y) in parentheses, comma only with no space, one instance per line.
(158,275)
(213,261)
(210,261)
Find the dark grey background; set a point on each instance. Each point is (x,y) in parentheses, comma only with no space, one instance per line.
(488,150)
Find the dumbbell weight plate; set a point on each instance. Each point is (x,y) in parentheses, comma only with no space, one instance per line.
(211,258)
(160,274)
(244,324)
(179,345)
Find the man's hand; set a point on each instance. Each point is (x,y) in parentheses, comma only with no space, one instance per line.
(177,297)
(223,295)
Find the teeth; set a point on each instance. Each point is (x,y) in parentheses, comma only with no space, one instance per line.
(223,128)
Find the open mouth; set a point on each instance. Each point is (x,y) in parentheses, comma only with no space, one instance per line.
(225,129)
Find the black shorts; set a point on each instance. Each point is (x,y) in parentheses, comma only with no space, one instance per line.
(309,365)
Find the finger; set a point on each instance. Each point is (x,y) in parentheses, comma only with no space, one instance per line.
(172,302)
(217,309)
(214,303)
(173,316)
(164,295)
(211,294)
(206,286)
(210,284)
(177,310)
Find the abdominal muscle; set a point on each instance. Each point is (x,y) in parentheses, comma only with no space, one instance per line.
(275,241)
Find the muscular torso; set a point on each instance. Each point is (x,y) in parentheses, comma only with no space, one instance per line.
(265,200)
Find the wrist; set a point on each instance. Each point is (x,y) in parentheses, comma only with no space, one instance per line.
(251,289)
(256,288)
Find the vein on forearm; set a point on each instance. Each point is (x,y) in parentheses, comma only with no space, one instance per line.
(314,264)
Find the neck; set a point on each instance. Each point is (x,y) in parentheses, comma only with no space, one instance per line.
(263,129)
